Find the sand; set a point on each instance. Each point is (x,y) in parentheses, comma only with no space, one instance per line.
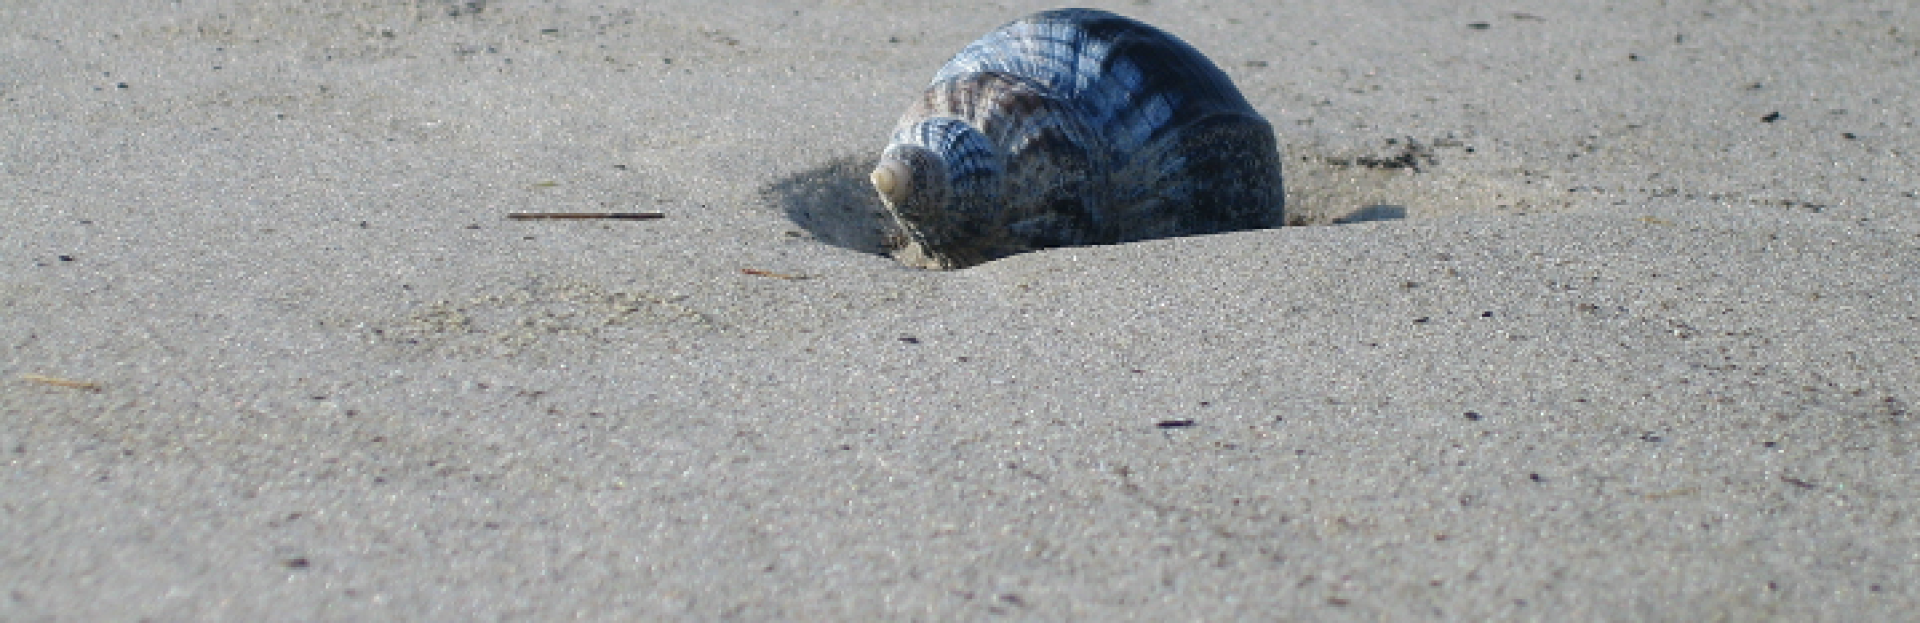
(1593,313)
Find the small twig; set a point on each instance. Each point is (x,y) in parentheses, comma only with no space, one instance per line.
(60,382)
(767,273)
(616,216)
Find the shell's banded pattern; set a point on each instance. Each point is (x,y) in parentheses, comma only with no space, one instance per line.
(1075,127)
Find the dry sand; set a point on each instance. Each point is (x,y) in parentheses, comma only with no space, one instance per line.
(1635,339)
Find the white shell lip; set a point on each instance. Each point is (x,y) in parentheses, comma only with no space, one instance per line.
(917,256)
(891,179)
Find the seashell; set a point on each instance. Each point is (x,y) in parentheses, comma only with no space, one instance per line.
(1074,127)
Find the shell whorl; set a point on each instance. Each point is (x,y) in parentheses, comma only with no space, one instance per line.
(1075,127)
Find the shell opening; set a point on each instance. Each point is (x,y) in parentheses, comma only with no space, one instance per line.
(891,179)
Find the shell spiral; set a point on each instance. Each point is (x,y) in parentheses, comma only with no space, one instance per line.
(1075,127)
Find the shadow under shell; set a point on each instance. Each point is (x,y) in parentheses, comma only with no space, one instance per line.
(836,203)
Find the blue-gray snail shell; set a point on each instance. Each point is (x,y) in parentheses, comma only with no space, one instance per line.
(1074,127)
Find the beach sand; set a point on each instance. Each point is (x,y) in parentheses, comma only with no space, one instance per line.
(1593,313)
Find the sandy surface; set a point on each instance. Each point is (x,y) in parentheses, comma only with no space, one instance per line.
(1635,339)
